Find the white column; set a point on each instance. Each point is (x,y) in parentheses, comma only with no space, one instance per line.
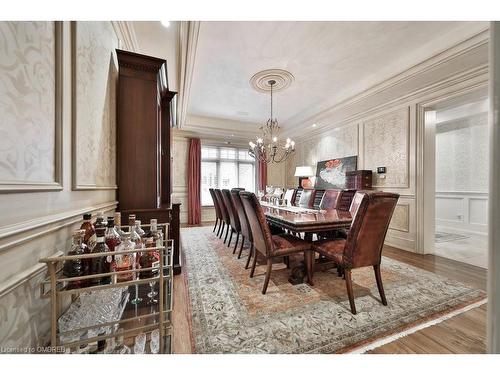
(493,330)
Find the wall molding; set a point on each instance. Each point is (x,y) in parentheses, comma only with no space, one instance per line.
(57,184)
(16,281)
(25,231)
(126,33)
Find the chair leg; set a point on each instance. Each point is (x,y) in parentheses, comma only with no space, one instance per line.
(236,244)
(268,275)
(241,247)
(309,258)
(215,225)
(348,283)
(339,271)
(227,232)
(380,286)
(222,231)
(286,260)
(249,255)
(230,237)
(254,262)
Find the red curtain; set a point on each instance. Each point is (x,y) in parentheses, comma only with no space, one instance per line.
(262,175)
(194,181)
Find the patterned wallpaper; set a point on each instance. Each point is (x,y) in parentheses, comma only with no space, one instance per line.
(96,73)
(27,102)
(462,154)
(386,141)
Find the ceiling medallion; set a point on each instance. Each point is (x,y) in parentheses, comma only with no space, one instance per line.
(282,78)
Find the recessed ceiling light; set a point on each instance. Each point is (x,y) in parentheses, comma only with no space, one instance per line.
(314,125)
(165,23)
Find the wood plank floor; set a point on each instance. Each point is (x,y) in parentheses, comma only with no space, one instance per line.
(464,333)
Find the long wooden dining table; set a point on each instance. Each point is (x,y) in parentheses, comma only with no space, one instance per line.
(308,221)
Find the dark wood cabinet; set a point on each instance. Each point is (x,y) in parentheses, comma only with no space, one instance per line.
(144,142)
(359,180)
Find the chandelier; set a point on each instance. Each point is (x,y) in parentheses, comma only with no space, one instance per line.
(269,148)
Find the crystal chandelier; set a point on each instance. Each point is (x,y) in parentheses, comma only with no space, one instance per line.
(269,148)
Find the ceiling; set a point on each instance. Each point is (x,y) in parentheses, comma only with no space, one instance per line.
(331,61)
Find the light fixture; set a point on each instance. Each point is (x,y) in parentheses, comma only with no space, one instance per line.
(165,23)
(269,148)
(303,173)
(314,125)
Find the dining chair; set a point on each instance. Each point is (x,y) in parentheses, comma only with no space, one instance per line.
(296,197)
(330,199)
(246,233)
(268,245)
(289,195)
(218,215)
(226,223)
(233,217)
(306,198)
(372,213)
(317,197)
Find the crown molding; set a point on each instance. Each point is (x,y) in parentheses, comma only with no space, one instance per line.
(217,128)
(468,50)
(126,33)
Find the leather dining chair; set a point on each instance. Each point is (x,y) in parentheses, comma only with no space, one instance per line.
(372,213)
(330,199)
(218,215)
(226,223)
(246,233)
(296,196)
(271,246)
(233,217)
(306,198)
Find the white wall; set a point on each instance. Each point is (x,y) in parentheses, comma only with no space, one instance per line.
(36,223)
(462,172)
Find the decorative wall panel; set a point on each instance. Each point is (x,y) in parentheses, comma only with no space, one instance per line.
(95,73)
(401,218)
(386,144)
(30,106)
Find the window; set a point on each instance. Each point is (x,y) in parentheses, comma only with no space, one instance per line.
(225,168)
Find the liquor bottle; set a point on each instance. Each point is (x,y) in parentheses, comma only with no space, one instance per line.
(100,264)
(148,259)
(118,224)
(124,262)
(155,233)
(138,229)
(112,237)
(99,221)
(89,238)
(76,267)
(131,221)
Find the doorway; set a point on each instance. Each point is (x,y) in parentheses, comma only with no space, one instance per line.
(456,153)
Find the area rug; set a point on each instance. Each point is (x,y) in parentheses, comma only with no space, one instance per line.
(230,315)
(448,237)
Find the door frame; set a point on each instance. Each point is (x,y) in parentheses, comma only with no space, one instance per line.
(426,164)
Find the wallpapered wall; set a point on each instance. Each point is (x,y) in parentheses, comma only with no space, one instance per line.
(381,140)
(40,207)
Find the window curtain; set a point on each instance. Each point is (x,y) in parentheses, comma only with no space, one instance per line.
(262,175)
(194,181)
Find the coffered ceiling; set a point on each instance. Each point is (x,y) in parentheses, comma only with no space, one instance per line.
(331,61)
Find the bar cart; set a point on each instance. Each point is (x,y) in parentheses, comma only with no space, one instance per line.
(117,317)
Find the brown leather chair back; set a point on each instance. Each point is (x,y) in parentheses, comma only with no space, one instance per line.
(306,198)
(296,196)
(218,214)
(372,215)
(240,211)
(330,199)
(261,234)
(222,206)
(345,199)
(316,199)
(231,210)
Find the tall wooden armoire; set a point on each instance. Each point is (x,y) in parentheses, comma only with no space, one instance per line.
(144,143)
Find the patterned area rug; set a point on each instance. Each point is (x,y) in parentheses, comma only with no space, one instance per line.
(230,315)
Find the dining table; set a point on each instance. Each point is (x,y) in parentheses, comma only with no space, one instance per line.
(308,221)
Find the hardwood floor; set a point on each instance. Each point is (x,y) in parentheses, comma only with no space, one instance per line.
(464,333)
